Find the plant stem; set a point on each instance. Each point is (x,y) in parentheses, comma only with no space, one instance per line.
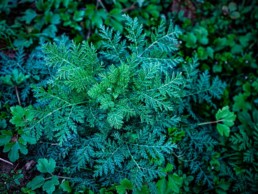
(17,94)
(210,122)
(132,7)
(54,144)
(99,2)
(61,177)
(7,162)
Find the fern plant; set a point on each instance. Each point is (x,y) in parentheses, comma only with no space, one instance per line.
(109,111)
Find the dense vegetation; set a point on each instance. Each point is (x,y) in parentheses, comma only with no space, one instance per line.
(128,96)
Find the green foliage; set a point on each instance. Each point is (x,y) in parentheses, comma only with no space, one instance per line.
(46,166)
(124,186)
(17,76)
(116,107)
(15,141)
(229,28)
(227,118)
(39,21)
(217,35)
(177,134)
(20,116)
(126,115)
(65,186)
(11,180)
(48,184)
(198,38)
(241,102)
(231,10)
(242,153)
(172,185)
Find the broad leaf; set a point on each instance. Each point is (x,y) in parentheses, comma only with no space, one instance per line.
(13,148)
(124,185)
(20,116)
(175,182)
(28,139)
(36,182)
(227,119)
(223,130)
(49,186)
(65,186)
(46,166)
(5,137)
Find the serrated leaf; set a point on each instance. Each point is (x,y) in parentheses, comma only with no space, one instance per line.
(46,166)
(78,15)
(20,116)
(8,147)
(227,118)
(115,119)
(29,15)
(13,154)
(241,103)
(55,19)
(223,130)
(143,190)
(28,139)
(13,148)
(65,186)
(18,77)
(5,137)
(175,182)
(49,186)
(7,80)
(22,42)
(190,39)
(125,185)
(162,186)
(23,148)
(36,182)
(169,168)
(50,31)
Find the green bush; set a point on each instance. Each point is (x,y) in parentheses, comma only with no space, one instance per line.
(135,112)
(110,112)
(27,23)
